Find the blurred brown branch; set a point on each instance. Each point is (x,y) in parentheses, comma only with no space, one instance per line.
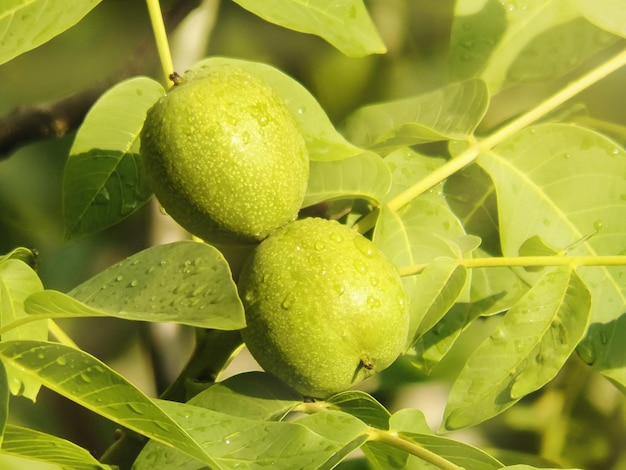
(29,124)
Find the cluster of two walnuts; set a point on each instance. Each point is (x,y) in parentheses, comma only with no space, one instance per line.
(324,308)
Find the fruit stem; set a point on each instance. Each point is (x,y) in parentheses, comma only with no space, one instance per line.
(396,440)
(527,261)
(163,47)
(476,147)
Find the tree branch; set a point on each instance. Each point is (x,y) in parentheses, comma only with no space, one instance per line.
(53,120)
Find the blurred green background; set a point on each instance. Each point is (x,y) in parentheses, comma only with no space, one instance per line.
(115,40)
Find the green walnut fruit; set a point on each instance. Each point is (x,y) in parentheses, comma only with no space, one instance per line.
(224,156)
(325,308)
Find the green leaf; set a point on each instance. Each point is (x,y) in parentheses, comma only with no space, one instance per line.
(318,441)
(34,445)
(471,195)
(486,43)
(572,178)
(434,345)
(17,282)
(474,36)
(104,181)
(363,406)
(558,50)
(364,176)
(437,289)
(346,25)
(609,15)
(495,289)
(451,112)
(409,420)
(271,401)
(323,141)
(408,166)
(524,352)
(92,384)
(184,282)
(26,24)
(419,233)
(23,254)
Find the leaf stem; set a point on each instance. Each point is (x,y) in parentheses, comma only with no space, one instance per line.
(527,261)
(163,47)
(61,336)
(477,147)
(394,439)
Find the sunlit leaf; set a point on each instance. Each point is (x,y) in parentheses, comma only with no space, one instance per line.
(408,166)
(566,185)
(92,384)
(471,195)
(323,141)
(437,289)
(183,282)
(26,24)
(346,25)
(317,441)
(451,112)
(486,43)
(418,234)
(495,289)
(363,406)
(35,445)
(436,343)
(524,352)
(608,14)
(558,50)
(17,282)
(365,176)
(474,36)
(271,400)
(23,254)
(104,181)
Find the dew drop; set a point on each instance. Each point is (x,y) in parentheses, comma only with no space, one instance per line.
(133,283)
(587,353)
(373,301)
(364,246)
(360,266)
(40,356)
(519,345)
(374,281)
(598,225)
(339,289)
(287,302)
(301,110)
(85,377)
(319,246)
(150,270)
(604,339)
(134,408)
(119,278)
(336,237)
(498,335)
(61,361)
